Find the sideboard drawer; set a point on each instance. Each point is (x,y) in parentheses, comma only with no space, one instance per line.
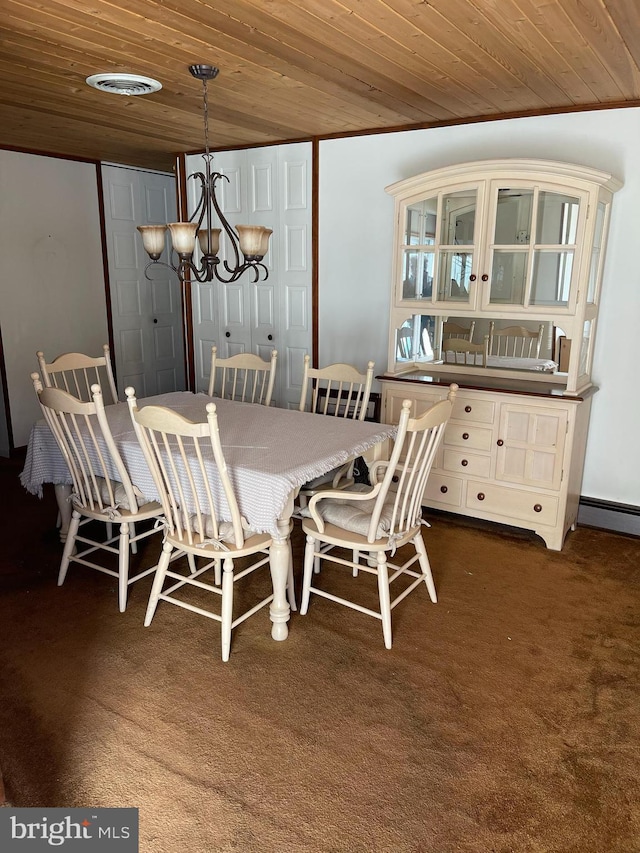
(478,411)
(471,464)
(443,490)
(463,435)
(511,503)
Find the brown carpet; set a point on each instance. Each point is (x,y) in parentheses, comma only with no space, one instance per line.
(505,719)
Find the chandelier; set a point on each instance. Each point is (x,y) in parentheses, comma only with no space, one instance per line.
(249,243)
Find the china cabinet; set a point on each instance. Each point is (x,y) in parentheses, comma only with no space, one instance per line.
(511,246)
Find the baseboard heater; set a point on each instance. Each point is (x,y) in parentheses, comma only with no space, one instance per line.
(609,515)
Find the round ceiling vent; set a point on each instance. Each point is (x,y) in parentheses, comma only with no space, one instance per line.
(124,84)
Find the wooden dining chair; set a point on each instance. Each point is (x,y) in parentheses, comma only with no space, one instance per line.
(182,455)
(102,488)
(515,341)
(455,330)
(459,351)
(373,522)
(76,372)
(338,390)
(245,377)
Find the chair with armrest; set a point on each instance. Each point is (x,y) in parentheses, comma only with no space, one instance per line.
(76,372)
(515,341)
(377,520)
(338,390)
(102,488)
(244,377)
(182,455)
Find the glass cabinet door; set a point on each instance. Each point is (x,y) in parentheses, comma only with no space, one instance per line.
(439,244)
(533,247)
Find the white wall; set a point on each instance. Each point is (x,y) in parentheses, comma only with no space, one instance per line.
(52,293)
(356,235)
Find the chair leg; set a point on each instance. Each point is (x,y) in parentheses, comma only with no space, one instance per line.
(426,567)
(227,606)
(356,560)
(385,597)
(217,573)
(291,586)
(69,545)
(132,533)
(123,566)
(156,589)
(191,559)
(308,571)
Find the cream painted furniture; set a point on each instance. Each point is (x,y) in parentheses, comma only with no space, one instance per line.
(171,443)
(338,390)
(270,453)
(514,341)
(373,522)
(517,242)
(76,372)
(102,489)
(455,330)
(245,377)
(461,351)
(502,243)
(510,454)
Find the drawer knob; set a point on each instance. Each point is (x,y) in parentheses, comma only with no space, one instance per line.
(537,507)
(480,496)
(472,277)
(464,463)
(444,489)
(465,435)
(499,442)
(485,277)
(467,409)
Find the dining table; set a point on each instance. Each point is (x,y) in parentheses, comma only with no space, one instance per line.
(270,454)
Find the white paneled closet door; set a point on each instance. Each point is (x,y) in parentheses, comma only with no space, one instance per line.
(147,314)
(272,187)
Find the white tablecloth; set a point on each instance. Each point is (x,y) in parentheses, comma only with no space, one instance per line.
(270,452)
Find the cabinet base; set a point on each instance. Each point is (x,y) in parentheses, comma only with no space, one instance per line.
(552,538)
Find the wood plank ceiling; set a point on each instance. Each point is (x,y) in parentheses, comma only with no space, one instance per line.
(297,69)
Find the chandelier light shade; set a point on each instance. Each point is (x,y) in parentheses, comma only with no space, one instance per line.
(249,243)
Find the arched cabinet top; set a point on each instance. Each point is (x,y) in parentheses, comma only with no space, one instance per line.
(544,170)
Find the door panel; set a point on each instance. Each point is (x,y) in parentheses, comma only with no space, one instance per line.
(269,186)
(147,315)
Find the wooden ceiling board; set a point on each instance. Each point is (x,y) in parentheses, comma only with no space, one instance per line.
(300,69)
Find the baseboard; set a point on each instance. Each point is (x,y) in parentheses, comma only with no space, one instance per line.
(609,515)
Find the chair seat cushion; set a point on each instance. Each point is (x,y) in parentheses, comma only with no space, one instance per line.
(119,495)
(225,529)
(354,516)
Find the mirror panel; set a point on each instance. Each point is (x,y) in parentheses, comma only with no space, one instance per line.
(508,277)
(458,218)
(557,219)
(551,278)
(420,339)
(513,217)
(417,274)
(420,225)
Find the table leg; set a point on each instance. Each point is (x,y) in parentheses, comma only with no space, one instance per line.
(279,611)
(63,492)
